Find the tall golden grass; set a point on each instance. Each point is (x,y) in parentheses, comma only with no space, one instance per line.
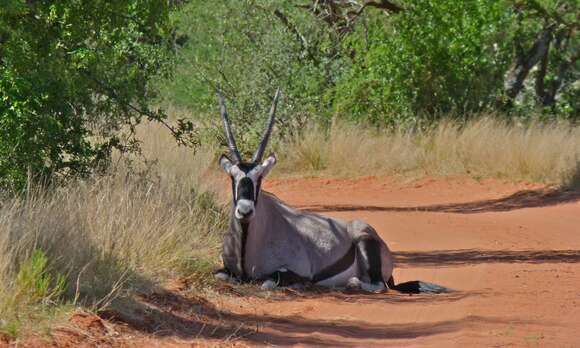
(108,235)
(486,147)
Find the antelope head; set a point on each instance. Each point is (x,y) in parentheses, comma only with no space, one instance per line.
(246,176)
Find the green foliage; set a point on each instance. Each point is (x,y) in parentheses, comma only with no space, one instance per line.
(11,328)
(370,65)
(553,86)
(436,56)
(35,294)
(77,76)
(247,50)
(32,293)
(74,81)
(34,283)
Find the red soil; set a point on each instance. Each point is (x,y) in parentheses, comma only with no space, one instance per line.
(511,252)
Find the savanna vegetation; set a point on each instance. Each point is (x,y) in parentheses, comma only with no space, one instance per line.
(109,131)
(378,62)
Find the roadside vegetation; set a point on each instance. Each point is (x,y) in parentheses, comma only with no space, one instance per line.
(109,131)
(101,239)
(482,147)
(388,64)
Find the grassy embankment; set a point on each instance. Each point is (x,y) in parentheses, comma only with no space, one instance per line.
(98,240)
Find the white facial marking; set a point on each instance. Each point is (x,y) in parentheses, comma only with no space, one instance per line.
(236,172)
(255,173)
(243,208)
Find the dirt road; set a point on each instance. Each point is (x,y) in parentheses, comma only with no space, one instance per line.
(511,252)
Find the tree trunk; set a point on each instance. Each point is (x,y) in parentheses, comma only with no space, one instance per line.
(561,44)
(525,61)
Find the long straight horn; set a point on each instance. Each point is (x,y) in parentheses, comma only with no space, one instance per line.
(229,136)
(262,147)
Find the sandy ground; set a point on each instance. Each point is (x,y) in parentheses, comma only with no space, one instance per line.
(511,252)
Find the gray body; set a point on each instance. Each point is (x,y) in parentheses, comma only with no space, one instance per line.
(281,238)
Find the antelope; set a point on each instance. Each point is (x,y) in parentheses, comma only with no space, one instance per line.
(277,245)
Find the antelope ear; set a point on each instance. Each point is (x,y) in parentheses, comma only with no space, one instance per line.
(268,164)
(226,164)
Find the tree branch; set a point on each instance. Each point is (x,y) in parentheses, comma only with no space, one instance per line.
(544,13)
(292,28)
(541,75)
(555,86)
(182,134)
(524,62)
(383,5)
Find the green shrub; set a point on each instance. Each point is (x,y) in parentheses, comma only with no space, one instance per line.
(74,81)
(35,284)
(385,67)
(32,293)
(247,51)
(433,58)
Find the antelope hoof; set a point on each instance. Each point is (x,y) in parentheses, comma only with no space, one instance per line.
(268,285)
(373,287)
(221,276)
(353,284)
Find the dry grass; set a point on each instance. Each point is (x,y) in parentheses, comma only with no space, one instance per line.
(109,235)
(486,147)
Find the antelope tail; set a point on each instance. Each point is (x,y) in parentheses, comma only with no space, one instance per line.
(417,287)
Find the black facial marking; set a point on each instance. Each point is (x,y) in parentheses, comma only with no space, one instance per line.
(246,167)
(246,189)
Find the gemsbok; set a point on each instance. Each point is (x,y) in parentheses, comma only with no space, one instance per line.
(271,242)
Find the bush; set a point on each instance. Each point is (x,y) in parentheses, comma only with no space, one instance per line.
(34,283)
(433,58)
(34,288)
(74,81)
(396,65)
(247,49)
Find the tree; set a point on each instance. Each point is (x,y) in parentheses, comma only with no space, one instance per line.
(75,80)
(547,39)
(385,62)
(248,48)
(432,57)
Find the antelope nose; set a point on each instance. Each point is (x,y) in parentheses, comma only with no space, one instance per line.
(244,210)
